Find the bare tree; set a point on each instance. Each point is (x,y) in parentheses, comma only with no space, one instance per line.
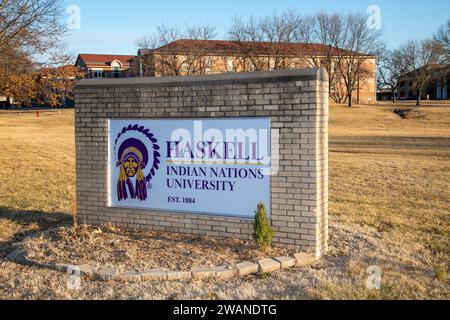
(189,57)
(264,42)
(32,25)
(355,45)
(342,44)
(421,58)
(442,38)
(392,65)
(322,29)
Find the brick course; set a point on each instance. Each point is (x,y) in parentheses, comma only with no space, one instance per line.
(296,102)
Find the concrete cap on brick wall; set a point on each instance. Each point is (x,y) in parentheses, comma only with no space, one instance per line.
(226,78)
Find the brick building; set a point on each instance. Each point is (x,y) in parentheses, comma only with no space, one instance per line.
(436,89)
(202,57)
(98,66)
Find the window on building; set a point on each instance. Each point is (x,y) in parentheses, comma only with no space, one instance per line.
(230,65)
(251,66)
(271,64)
(185,66)
(208,65)
(116,72)
(98,74)
(115,69)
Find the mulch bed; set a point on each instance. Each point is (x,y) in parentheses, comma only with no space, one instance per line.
(110,247)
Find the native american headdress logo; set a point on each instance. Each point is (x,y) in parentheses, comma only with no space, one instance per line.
(137,154)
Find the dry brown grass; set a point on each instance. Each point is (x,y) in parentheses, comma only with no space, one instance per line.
(37,175)
(393,173)
(389,206)
(38,171)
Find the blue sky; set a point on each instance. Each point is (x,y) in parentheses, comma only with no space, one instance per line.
(113,26)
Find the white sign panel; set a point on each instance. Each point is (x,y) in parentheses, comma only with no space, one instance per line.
(217,167)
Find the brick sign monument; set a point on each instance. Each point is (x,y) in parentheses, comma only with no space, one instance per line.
(198,154)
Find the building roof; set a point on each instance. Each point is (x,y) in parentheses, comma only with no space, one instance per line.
(105,60)
(437,69)
(224,47)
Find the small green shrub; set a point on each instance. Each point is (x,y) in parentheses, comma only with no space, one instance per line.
(263,233)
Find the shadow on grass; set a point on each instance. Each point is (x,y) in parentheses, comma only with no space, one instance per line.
(392,142)
(15,225)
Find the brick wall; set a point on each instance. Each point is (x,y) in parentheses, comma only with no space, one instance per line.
(296,102)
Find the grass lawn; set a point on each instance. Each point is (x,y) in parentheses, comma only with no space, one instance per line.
(389,207)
